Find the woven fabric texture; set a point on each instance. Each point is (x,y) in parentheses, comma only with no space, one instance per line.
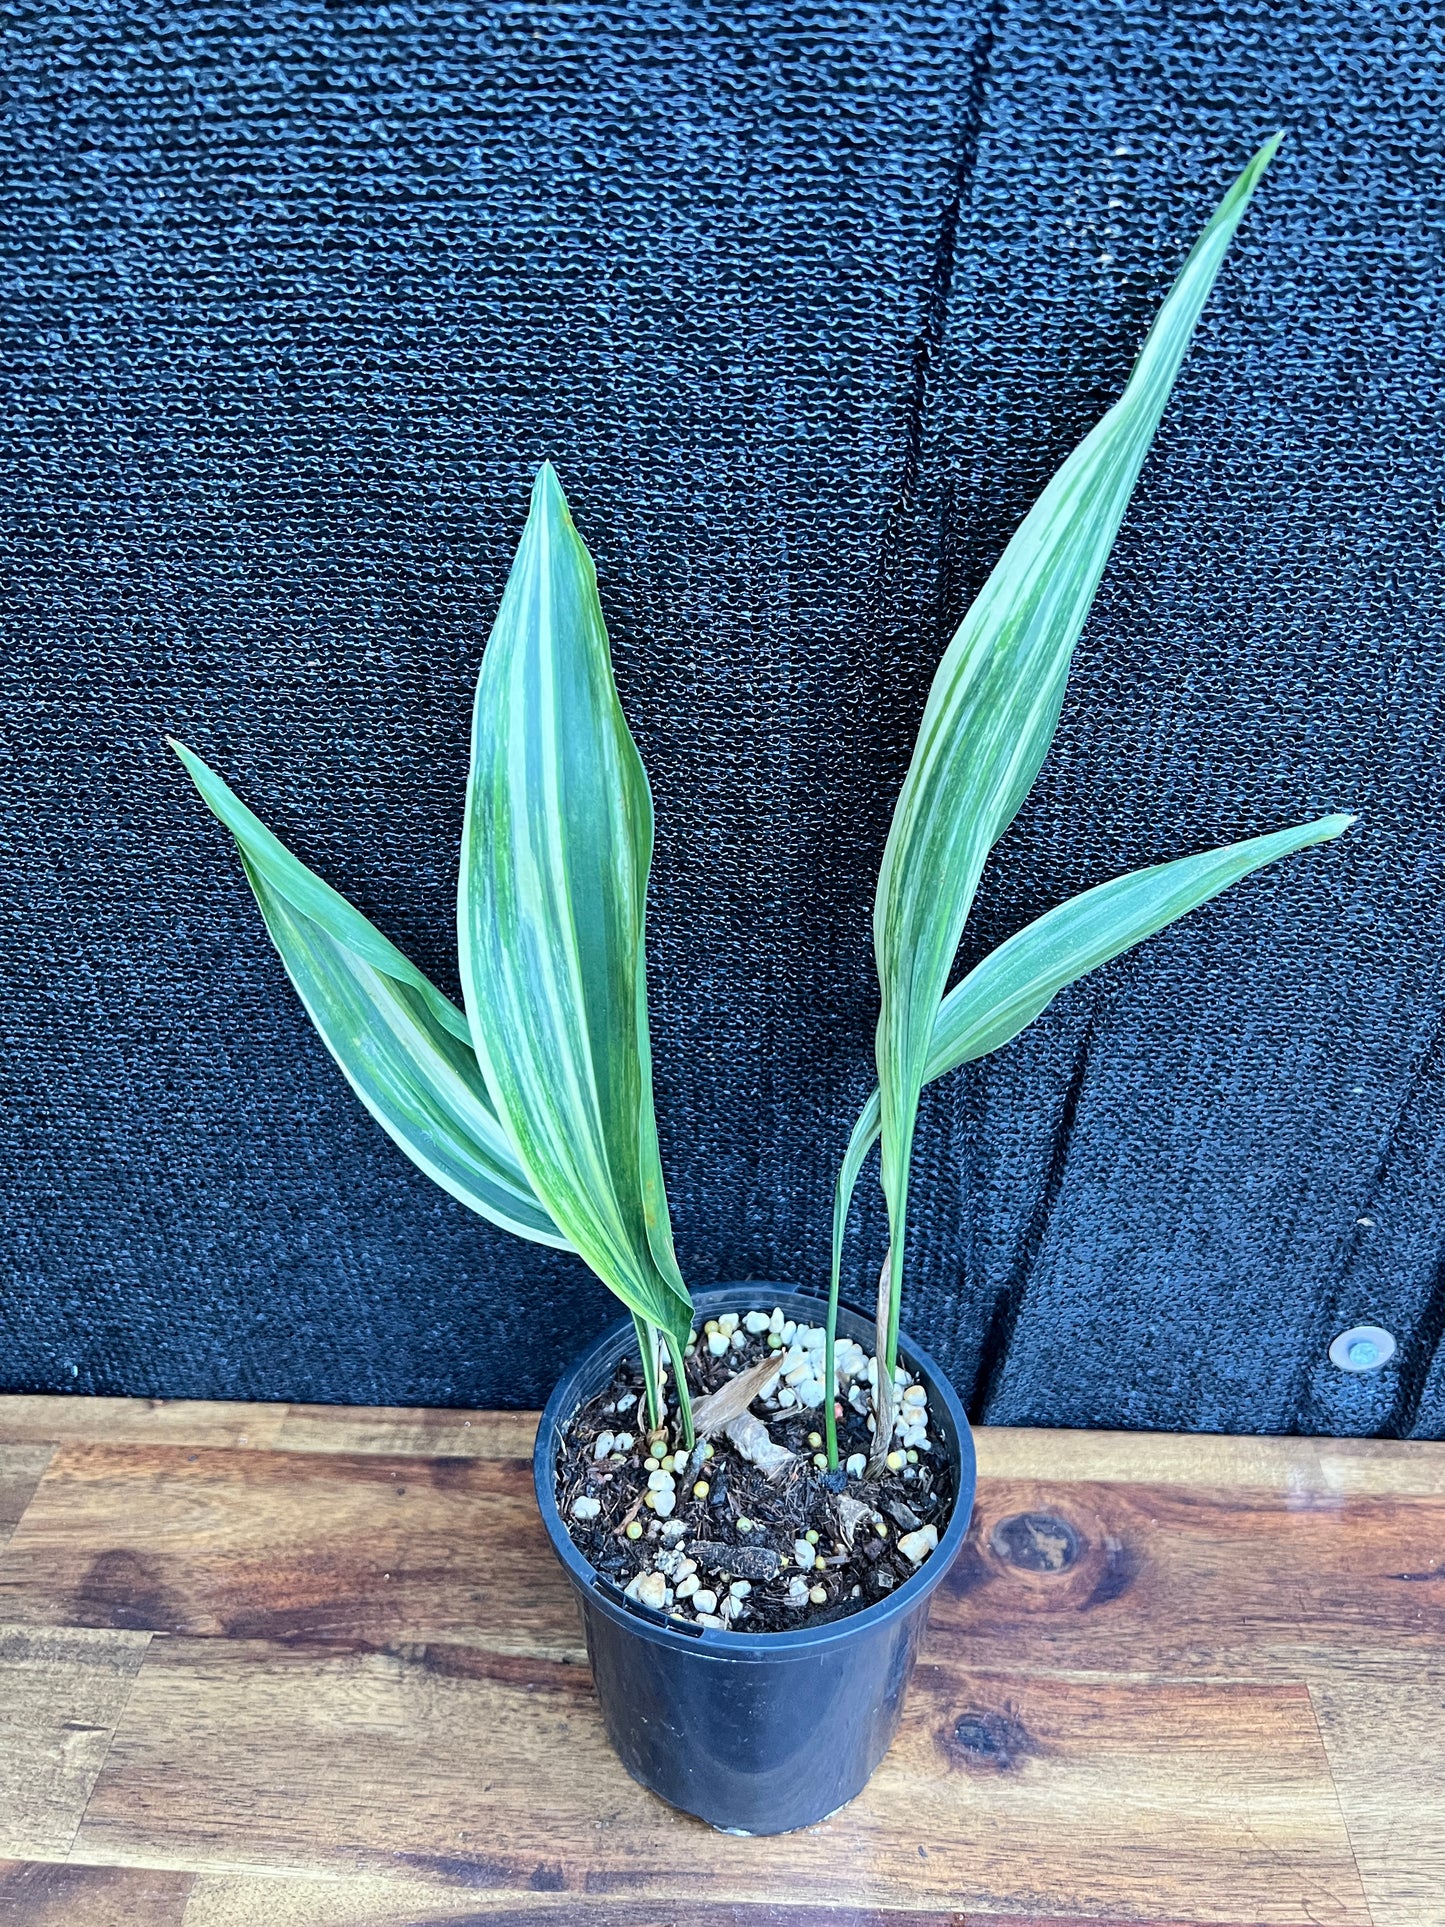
(806,301)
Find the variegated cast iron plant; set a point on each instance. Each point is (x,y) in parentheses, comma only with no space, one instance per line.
(534,1106)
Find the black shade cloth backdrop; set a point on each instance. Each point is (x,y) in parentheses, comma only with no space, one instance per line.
(806,302)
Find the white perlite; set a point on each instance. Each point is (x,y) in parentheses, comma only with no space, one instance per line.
(648,1589)
(917,1545)
(796,1380)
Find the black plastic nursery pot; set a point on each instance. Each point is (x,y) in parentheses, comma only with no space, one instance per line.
(752,1732)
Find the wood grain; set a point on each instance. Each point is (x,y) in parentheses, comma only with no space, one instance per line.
(1385,1740)
(1155,1579)
(1174,1579)
(293,1666)
(179,1421)
(1338,1467)
(290,1545)
(253,1901)
(20,1470)
(1193,1801)
(36,1894)
(362,1902)
(414,1432)
(61,1693)
(400,1431)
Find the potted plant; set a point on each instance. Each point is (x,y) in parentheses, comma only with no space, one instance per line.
(754,1495)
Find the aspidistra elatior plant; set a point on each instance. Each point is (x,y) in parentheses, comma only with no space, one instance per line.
(987,725)
(534,1106)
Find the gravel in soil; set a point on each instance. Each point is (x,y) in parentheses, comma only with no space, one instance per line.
(707,1537)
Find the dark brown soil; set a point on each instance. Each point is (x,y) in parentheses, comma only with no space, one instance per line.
(854,1574)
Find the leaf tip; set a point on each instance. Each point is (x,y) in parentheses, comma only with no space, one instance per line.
(1260,160)
(1328,827)
(547,490)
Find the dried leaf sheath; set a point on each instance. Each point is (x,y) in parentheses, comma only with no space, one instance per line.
(733,1397)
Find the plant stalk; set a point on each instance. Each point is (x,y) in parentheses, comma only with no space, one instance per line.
(684,1398)
(830,1366)
(883,1371)
(860,1143)
(647,1347)
(892,1281)
(650,1339)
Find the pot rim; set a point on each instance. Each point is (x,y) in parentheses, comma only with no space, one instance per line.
(717,1644)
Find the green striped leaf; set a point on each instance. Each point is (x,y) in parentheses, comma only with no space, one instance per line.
(994,706)
(383,1023)
(1015,983)
(288,877)
(556,850)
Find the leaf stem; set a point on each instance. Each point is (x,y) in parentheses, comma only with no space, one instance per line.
(647,1346)
(679,1374)
(895,1301)
(860,1143)
(883,1371)
(830,1366)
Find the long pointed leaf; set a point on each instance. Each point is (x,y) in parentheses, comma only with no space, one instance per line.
(420,1083)
(994,705)
(555,857)
(288,877)
(418,1080)
(1003,994)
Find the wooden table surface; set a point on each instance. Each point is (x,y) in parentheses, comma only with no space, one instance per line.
(271,1666)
